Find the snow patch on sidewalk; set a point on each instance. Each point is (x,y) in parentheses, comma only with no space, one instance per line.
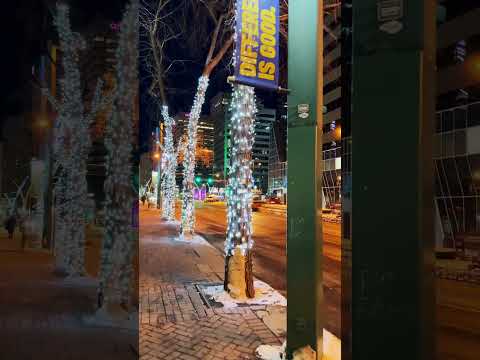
(193,239)
(271,352)
(115,319)
(332,347)
(264,295)
(174,223)
(76,282)
(275,318)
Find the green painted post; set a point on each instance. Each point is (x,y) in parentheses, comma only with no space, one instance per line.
(392,188)
(304,235)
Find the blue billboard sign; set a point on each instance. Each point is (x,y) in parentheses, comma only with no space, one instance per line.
(257,43)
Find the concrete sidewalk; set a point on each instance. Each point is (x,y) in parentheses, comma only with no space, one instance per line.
(42,316)
(176,322)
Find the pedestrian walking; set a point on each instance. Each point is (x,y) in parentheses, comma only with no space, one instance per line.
(143,198)
(10,224)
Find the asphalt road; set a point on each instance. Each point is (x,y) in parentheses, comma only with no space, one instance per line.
(270,252)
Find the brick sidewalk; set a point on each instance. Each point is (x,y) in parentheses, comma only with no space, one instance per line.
(41,315)
(176,323)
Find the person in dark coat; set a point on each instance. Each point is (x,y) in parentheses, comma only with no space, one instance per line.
(10,224)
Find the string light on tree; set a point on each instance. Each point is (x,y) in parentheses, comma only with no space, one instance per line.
(169,166)
(188,206)
(70,149)
(240,182)
(118,246)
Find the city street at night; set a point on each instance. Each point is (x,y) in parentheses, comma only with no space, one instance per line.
(240,180)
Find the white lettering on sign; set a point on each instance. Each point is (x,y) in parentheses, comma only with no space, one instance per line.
(302,108)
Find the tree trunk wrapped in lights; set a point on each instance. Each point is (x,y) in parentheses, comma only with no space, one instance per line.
(238,262)
(169,166)
(188,205)
(119,243)
(71,145)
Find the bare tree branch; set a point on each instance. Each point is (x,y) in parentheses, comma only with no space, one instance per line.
(213,44)
(214,62)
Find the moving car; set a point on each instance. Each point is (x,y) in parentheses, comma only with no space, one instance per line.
(257,202)
(212,198)
(274,200)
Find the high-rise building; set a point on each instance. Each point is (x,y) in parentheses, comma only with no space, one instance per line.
(219,112)
(457,130)
(204,154)
(264,124)
(332,99)
(277,169)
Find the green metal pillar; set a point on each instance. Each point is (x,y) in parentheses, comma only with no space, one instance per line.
(392,185)
(304,235)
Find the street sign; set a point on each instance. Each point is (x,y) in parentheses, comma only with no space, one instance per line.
(389,10)
(391,27)
(303,110)
(257,43)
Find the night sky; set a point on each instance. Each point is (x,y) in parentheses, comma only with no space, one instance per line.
(25,24)
(181,83)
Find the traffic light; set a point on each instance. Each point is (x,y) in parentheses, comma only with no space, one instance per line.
(198,180)
(210,181)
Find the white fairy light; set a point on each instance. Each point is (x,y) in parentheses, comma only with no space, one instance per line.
(70,148)
(169,166)
(119,241)
(188,206)
(239,201)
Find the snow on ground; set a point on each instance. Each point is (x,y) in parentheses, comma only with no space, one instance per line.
(264,295)
(195,239)
(271,352)
(77,282)
(275,318)
(332,346)
(115,319)
(331,350)
(175,223)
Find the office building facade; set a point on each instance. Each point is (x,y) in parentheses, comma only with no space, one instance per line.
(457,132)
